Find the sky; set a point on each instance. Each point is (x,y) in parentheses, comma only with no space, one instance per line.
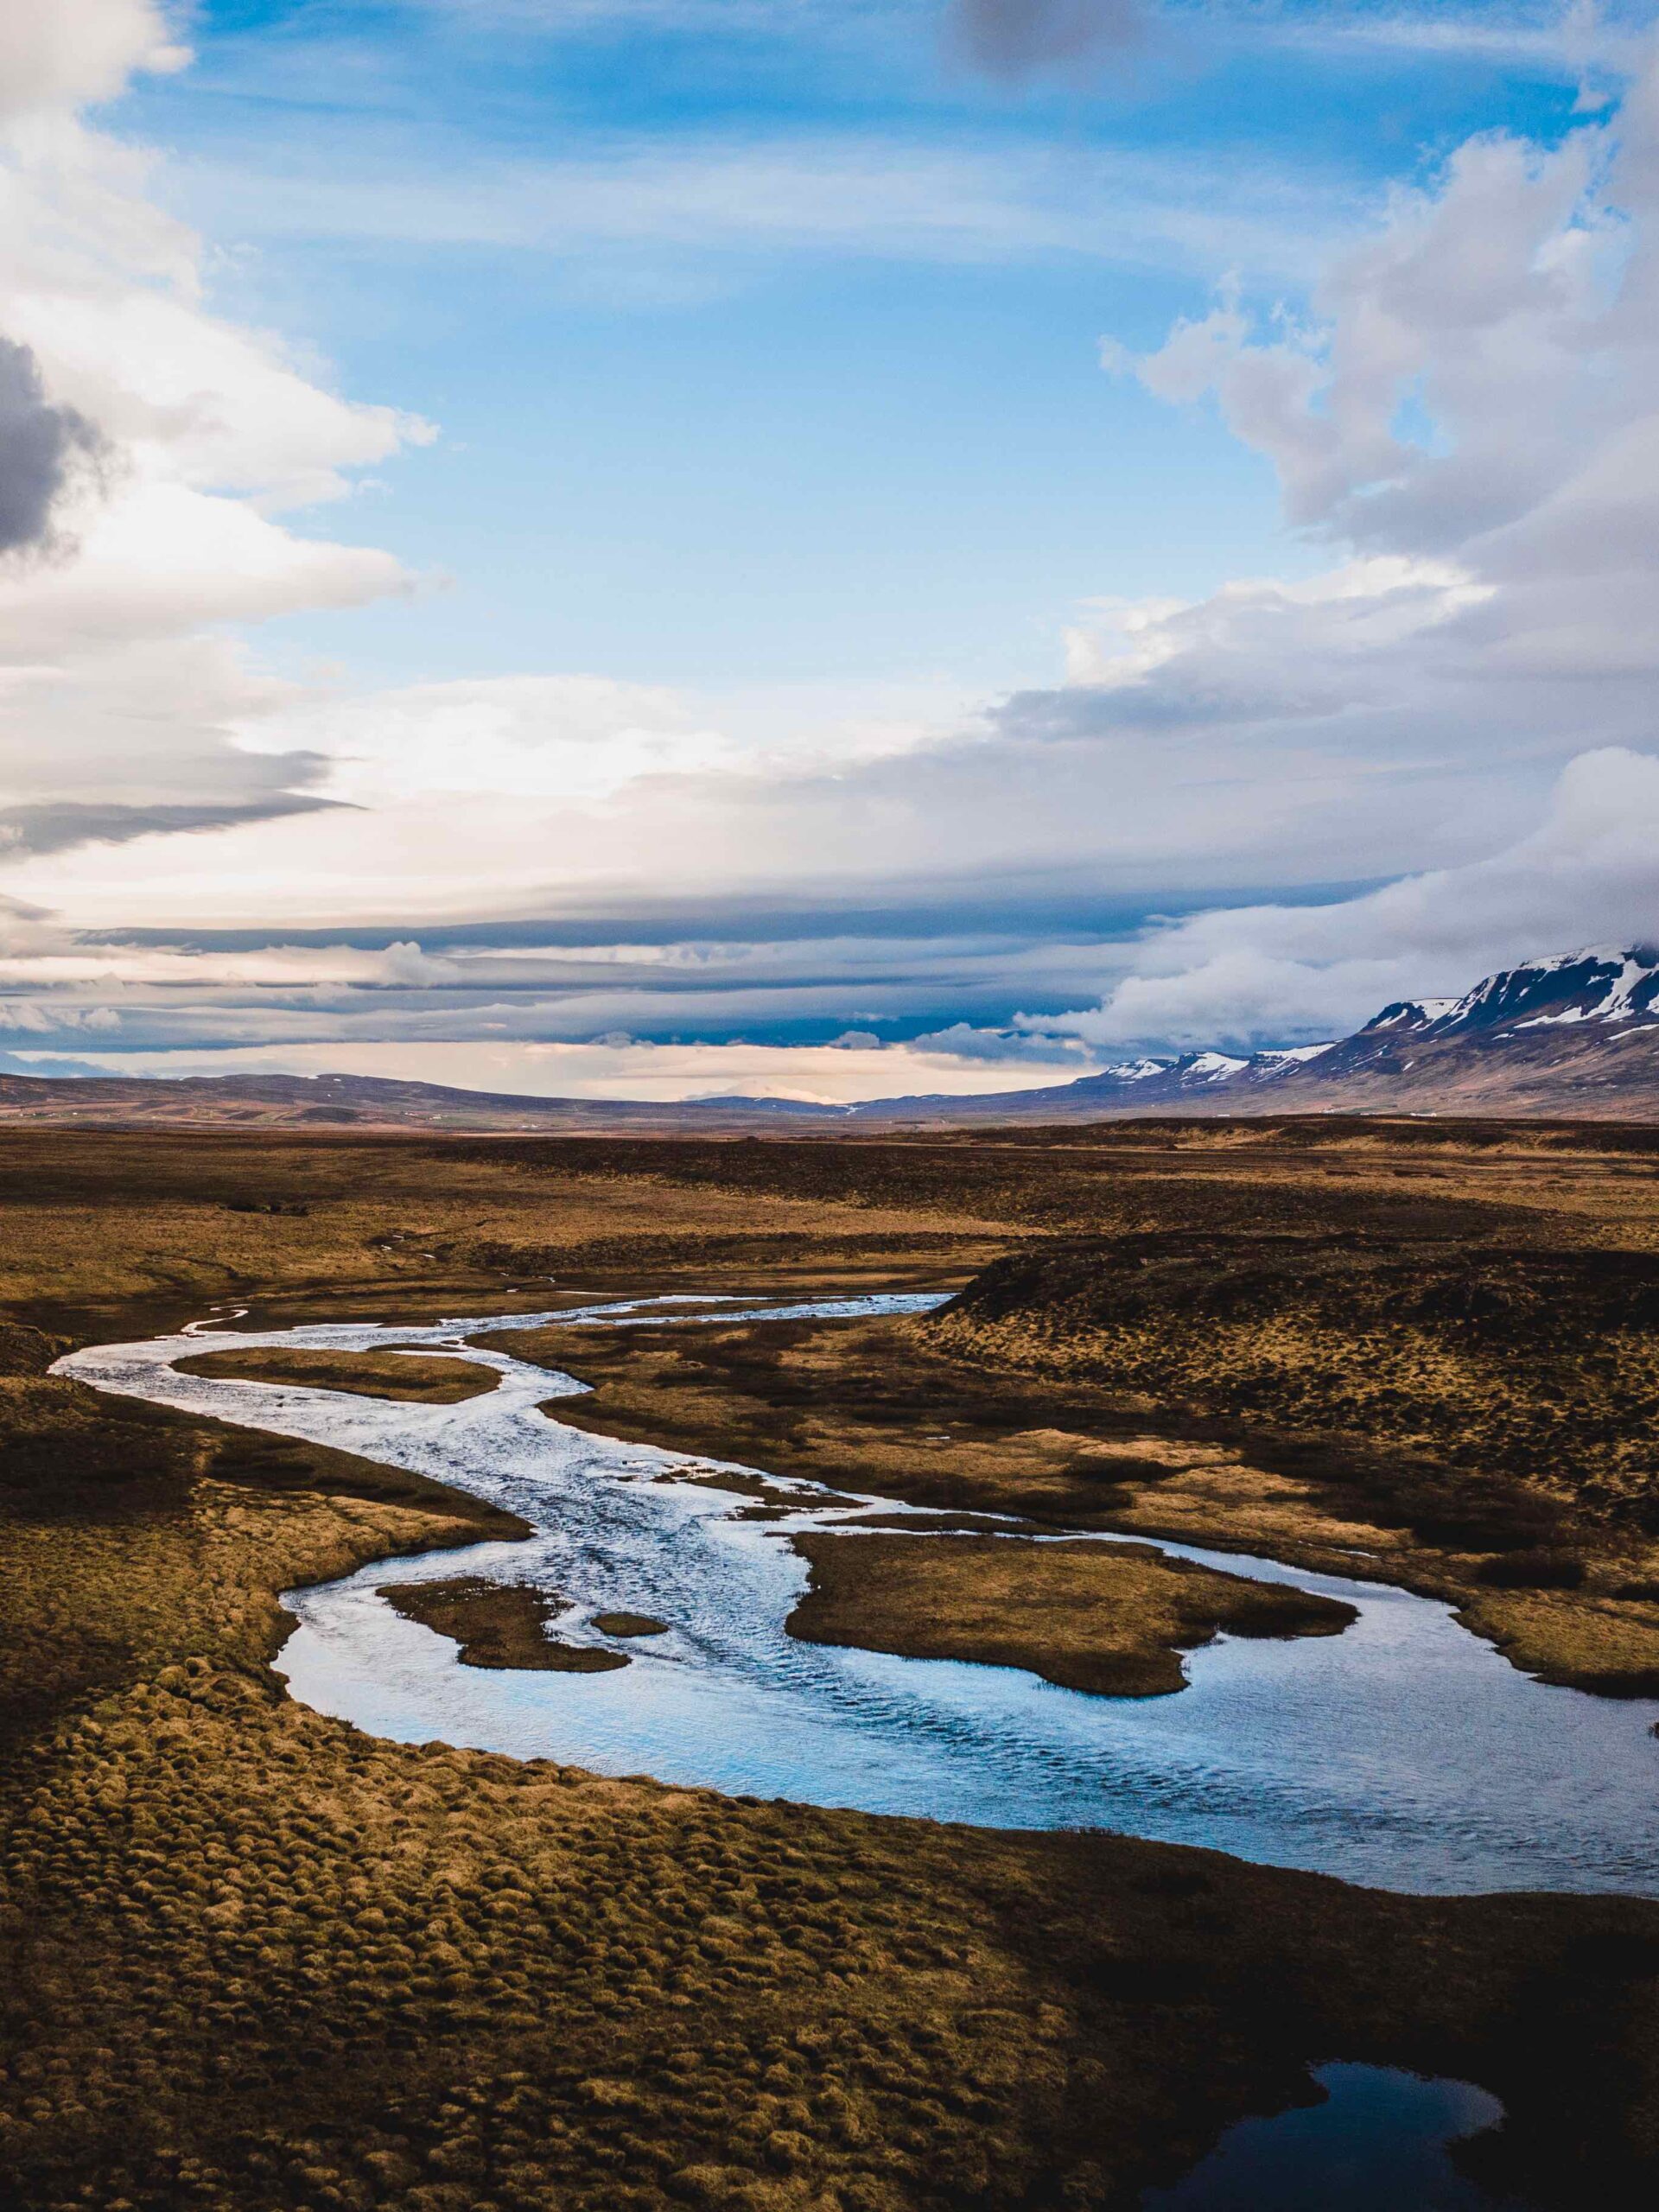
(831,547)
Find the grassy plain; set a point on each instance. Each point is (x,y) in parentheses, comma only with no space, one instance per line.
(255,1961)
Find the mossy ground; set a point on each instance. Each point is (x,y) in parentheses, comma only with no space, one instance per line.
(1486,1421)
(254,1961)
(257,1960)
(998,1404)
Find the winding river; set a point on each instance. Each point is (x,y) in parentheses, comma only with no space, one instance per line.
(1404,1752)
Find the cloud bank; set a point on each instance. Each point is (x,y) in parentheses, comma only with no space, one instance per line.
(1252,975)
(55,55)
(1467,413)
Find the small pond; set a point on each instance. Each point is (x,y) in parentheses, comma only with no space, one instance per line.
(1378,2140)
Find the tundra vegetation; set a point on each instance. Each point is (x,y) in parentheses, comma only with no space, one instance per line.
(253,1958)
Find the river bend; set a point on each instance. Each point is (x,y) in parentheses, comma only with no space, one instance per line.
(1404,1752)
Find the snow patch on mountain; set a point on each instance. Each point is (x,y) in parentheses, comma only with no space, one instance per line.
(1212,1067)
(1286,1056)
(1410,1015)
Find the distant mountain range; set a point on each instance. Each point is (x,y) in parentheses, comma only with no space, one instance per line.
(1577,1035)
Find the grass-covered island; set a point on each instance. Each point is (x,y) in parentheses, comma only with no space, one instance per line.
(256,1960)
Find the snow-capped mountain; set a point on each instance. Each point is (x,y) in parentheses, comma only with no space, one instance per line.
(1602,984)
(1575,1034)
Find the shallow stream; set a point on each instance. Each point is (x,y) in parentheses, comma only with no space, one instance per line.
(1405,1752)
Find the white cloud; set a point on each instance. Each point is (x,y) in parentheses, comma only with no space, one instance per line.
(1486,306)
(118,690)
(61,54)
(537,737)
(38,1016)
(158,558)
(1008,1049)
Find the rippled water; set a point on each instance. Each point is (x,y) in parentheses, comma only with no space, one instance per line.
(1404,1752)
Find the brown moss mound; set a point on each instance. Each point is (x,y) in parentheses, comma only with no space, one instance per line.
(1112,1618)
(498,1625)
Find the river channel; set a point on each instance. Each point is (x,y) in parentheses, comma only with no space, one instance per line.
(1404,1752)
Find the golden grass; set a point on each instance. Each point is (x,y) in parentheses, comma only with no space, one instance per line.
(95,1220)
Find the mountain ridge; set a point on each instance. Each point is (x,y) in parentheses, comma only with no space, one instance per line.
(1549,1035)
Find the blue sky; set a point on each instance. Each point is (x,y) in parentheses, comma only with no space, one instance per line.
(678,450)
(1007,530)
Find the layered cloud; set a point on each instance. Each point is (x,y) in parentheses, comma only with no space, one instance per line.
(1252,975)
